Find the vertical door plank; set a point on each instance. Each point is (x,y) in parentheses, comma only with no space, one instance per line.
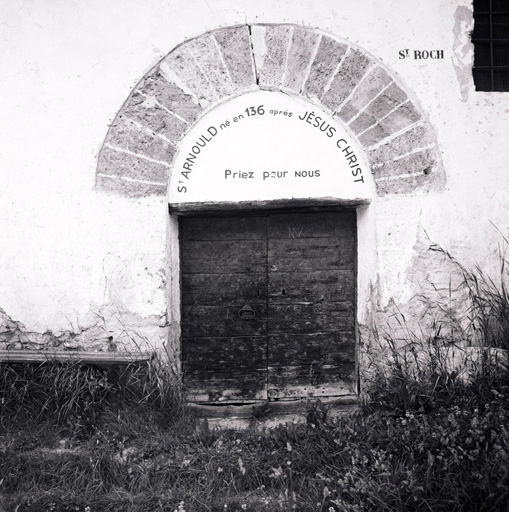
(223,265)
(311,304)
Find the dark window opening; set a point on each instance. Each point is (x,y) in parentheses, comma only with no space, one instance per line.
(491,45)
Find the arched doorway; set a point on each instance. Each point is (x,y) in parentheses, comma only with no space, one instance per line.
(148,136)
(265,188)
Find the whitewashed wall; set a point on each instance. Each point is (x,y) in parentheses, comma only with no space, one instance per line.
(74,259)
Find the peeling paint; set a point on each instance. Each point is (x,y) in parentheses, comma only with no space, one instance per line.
(463,49)
(113,331)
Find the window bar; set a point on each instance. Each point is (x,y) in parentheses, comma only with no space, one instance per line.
(492,63)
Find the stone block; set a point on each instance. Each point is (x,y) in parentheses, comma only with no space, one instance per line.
(347,112)
(353,67)
(362,122)
(180,67)
(171,96)
(328,56)
(235,46)
(388,100)
(422,162)
(302,47)
(376,79)
(373,136)
(401,118)
(407,185)
(419,136)
(271,48)
(209,59)
(126,134)
(116,163)
(133,189)
(152,116)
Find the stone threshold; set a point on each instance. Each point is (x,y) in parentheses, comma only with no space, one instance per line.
(269,414)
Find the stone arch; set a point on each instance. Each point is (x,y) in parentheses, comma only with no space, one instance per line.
(340,78)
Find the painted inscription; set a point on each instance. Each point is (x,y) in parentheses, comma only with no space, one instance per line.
(309,118)
(421,54)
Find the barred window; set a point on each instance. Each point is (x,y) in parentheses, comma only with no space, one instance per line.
(491,45)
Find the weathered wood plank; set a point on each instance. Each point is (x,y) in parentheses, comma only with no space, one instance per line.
(216,386)
(33,356)
(222,228)
(218,321)
(224,289)
(292,406)
(213,208)
(223,257)
(308,317)
(287,255)
(307,329)
(322,348)
(312,225)
(237,352)
(301,381)
(311,286)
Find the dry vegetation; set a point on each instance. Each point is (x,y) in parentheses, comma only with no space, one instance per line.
(80,438)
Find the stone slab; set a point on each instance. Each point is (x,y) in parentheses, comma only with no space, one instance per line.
(126,134)
(208,57)
(373,136)
(327,58)
(418,137)
(353,67)
(376,79)
(422,162)
(116,163)
(171,96)
(302,47)
(131,189)
(182,64)
(152,116)
(362,122)
(409,184)
(276,39)
(235,46)
(386,101)
(405,115)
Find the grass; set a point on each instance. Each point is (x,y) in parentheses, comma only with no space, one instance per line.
(144,451)
(425,438)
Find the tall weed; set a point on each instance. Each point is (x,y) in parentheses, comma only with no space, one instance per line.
(75,393)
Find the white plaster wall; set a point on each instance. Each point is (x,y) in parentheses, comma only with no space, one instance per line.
(70,255)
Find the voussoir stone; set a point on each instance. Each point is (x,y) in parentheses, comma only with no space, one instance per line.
(369,87)
(405,115)
(171,96)
(421,162)
(408,184)
(117,163)
(302,47)
(235,46)
(182,64)
(151,115)
(208,57)
(324,65)
(274,41)
(129,188)
(126,134)
(417,137)
(353,67)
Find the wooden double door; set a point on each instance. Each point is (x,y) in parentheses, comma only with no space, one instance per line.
(268,306)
